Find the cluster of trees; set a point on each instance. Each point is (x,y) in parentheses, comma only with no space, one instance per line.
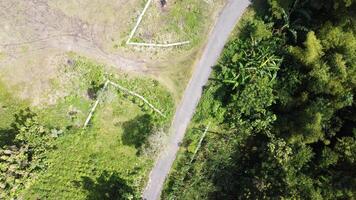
(22,151)
(285,96)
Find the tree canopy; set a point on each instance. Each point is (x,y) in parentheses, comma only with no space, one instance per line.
(285,87)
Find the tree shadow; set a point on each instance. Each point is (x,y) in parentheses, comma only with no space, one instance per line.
(108,186)
(241,176)
(260,7)
(93,90)
(7,137)
(137,130)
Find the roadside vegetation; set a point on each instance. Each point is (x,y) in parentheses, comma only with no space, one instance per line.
(282,109)
(45,153)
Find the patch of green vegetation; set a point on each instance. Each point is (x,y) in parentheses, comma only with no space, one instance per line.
(107,160)
(187,19)
(210,113)
(2,55)
(93,152)
(24,48)
(149,88)
(8,106)
(70,111)
(178,21)
(137,40)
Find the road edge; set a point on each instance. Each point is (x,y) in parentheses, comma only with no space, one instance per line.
(227,20)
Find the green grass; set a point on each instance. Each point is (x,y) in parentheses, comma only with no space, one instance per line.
(8,106)
(187,18)
(151,89)
(88,154)
(179,21)
(58,115)
(93,162)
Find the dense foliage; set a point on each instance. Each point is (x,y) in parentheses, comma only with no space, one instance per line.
(23,151)
(283,98)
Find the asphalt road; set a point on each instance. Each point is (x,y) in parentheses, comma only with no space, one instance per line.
(226,22)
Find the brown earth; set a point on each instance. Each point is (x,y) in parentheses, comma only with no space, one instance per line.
(36,35)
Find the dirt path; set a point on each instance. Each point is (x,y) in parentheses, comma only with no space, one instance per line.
(34,26)
(217,39)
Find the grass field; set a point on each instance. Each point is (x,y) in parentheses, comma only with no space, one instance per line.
(8,106)
(178,21)
(115,149)
(103,150)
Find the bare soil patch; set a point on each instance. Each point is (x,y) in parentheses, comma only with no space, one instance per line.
(35,35)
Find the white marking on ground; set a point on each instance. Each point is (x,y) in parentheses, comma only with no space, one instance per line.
(133,31)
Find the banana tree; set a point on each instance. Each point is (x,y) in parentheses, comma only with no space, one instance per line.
(246,61)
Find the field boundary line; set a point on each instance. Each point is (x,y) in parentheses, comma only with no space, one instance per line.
(133,31)
(95,105)
(92,110)
(138,22)
(138,96)
(199,144)
(158,45)
(196,151)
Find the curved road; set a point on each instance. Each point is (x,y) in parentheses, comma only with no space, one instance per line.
(217,39)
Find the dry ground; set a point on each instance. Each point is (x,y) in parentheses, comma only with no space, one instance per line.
(35,36)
